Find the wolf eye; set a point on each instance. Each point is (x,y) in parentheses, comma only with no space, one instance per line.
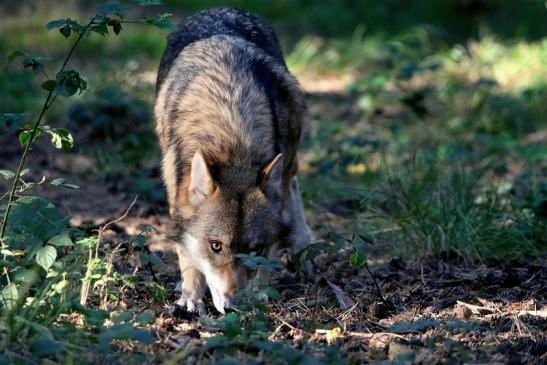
(216,246)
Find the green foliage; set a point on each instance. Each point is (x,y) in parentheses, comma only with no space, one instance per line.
(66,27)
(68,83)
(246,331)
(13,121)
(36,64)
(43,260)
(45,256)
(254,262)
(36,217)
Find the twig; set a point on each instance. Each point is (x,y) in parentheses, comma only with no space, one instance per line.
(519,313)
(178,346)
(422,275)
(117,220)
(362,334)
(290,325)
(84,292)
(375,283)
(476,309)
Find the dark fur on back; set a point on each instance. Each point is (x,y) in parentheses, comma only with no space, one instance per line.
(219,21)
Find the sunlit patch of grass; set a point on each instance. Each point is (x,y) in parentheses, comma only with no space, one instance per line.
(476,126)
(514,66)
(444,210)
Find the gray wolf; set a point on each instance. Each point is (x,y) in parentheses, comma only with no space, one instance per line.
(229,119)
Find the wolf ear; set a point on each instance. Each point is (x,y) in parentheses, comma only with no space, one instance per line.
(272,176)
(201,182)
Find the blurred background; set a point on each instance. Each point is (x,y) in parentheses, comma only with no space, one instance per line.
(427,119)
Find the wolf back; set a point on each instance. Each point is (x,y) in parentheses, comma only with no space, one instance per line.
(224,88)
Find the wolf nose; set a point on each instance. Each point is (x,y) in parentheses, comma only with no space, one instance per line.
(228,310)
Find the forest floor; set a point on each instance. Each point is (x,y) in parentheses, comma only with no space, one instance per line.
(426,311)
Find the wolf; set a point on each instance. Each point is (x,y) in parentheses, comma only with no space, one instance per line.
(229,117)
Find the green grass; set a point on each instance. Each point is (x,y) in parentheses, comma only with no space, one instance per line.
(449,148)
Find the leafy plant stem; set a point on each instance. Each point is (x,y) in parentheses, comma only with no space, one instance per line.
(46,106)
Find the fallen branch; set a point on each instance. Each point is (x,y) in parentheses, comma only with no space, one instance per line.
(475,309)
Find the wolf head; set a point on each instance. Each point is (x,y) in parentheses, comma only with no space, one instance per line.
(236,209)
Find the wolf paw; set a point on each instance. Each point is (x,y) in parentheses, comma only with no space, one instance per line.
(192,305)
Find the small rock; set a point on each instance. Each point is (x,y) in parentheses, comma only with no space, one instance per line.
(463,312)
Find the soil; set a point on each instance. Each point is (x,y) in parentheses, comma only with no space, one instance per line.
(413,311)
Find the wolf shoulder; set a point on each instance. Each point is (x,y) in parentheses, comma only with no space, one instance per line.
(230,22)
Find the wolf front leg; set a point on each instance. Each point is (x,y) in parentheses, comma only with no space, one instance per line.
(193,285)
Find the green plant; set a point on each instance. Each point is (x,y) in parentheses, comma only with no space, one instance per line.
(42,257)
(448,211)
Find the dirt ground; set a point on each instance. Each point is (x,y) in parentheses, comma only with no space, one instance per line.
(417,311)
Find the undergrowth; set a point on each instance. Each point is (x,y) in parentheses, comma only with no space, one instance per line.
(51,273)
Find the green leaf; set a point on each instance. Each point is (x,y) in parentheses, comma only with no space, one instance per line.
(69,83)
(254,262)
(124,332)
(10,296)
(7,174)
(36,64)
(160,22)
(44,346)
(58,181)
(99,28)
(48,85)
(122,317)
(27,276)
(61,240)
(46,256)
(65,30)
(359,257)
(36,216)
(75,26)
(145,318)
(367,238)
(71,186)
(14,121)
(26,242)
(232,326)
(156,261)
(56,23)
(14,55)
(24,137)
(116,26)
(87,242)
(61,138)
(214,341)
